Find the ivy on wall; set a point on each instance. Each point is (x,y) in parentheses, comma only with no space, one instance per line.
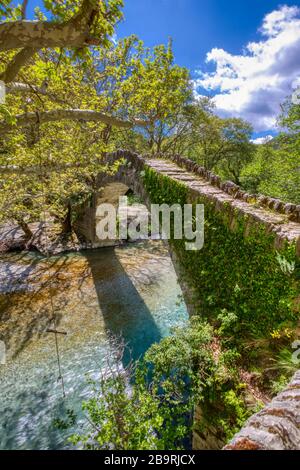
(248,291)
(243,275)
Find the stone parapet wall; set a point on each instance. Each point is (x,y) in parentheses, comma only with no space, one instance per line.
(278,217)
(292,211)
(276,427)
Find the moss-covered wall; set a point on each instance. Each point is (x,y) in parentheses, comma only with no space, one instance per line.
(246,285)
(244,269)
(239,269)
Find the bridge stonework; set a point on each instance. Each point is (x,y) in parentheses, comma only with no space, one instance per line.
(278,425)
(284,222)
(281,219)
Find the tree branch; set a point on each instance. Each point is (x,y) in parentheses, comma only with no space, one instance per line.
(24,8)
(16,87)
(67,114)
(34,35)
(40,34)
(17,63)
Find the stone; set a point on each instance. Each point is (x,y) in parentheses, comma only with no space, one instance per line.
(276,427)
(289,208)
(279,206)
(262,200)
(228,193)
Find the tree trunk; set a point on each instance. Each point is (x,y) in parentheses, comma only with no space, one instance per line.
(24,226)
(67,223)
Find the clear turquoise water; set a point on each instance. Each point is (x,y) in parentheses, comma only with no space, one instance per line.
(130,291)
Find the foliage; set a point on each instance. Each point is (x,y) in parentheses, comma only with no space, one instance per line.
(182,362)
(66,423)
(275,169)
(148,405)
(246,289)
(239,277)
(106,16)
(128,412)
(237,150)
(129,420)
(222,145)
(185,365)
(127,80)
(5,8)
(229,322)
(66,157)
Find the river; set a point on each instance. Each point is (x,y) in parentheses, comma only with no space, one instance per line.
(130,291)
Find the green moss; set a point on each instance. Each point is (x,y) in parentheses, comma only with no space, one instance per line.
(246,290)
(162,189)
(234,272)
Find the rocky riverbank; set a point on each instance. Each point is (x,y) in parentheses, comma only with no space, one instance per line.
(47,239)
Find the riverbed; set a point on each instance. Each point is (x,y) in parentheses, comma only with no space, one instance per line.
(130,292)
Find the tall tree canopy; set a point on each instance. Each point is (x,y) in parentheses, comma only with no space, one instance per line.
(69,106)
(73,94)
(275,170)
(72,24)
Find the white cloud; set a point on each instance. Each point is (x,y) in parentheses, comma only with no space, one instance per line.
(262,140)
(254,84)
(275,21)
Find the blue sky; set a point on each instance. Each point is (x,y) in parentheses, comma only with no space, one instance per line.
(247,81)
(196,26)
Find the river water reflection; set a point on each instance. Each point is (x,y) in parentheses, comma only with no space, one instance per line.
(131,290)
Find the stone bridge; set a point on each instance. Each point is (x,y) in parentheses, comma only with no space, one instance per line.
(278,425)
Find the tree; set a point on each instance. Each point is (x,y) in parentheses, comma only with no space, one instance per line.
(237,150)
(60,120)
(150,404)
(275,169)
(55,162)
(142,84)
(157,92)
(222,145)
(74,25)
(289,118)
